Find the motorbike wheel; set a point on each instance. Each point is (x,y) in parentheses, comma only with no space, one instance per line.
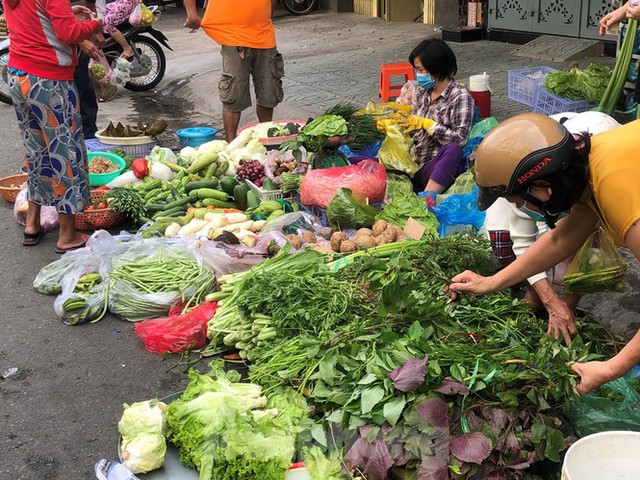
(5,97)
(299,7)
(151,50)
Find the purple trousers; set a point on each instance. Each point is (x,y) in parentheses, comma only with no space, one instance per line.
(443,169)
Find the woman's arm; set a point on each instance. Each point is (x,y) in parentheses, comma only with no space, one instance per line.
(546,252)
(594,374)
(457,126)
(65,26)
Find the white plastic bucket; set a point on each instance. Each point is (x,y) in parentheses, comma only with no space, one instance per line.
(604,456)
(479,83)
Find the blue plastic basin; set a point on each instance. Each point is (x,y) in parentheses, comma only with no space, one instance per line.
(195,136)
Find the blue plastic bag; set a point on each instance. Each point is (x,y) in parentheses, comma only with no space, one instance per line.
(459,209)
(370,151)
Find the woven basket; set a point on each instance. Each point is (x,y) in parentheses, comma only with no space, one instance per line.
(9,192)
(103,218)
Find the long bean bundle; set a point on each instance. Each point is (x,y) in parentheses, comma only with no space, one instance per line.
(147,287)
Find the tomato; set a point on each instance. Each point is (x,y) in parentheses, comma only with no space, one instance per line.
(91,207)
(102,189)
(103,205)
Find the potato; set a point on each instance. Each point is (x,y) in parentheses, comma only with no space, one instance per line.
(381,240)
(348,246)
(308,237)
(336,240)
(401,238)
(379,227)
(399,231)
(365,241)
(390,234)
(363,232)
(294,240)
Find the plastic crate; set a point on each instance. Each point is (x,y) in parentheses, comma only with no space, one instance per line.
(266,195)
(550,104)
(142,150)
(524,83)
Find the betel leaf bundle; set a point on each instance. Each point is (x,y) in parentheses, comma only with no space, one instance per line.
(589,83)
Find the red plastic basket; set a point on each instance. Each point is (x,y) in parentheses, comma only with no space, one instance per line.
(102,218)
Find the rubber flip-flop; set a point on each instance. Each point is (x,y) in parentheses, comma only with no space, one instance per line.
(61,251)
(29,240)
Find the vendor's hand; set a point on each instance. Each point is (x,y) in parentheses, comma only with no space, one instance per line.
(633,12)
(192,23)
(90,50)
(592,375)
(413,122)
(470,282)
(561,321)
(82,13)
(98,40)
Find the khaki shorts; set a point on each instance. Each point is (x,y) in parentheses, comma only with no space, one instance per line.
(264,65)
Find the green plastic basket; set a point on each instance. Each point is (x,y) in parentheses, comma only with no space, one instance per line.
(100,179)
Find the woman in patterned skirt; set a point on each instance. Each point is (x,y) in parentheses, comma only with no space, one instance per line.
(44,35)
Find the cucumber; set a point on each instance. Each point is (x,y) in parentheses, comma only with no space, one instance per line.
(211,171)
(212,202)
(203,193)
(240,195)
(210,183)
(227,184)
(253,201)
(178,203)
(267,184)
(203,163)
(222,168)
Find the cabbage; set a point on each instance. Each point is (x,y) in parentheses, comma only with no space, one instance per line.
(188,154)
(161,171)
(161,153)
(143,453)
(214,146)
(142,417)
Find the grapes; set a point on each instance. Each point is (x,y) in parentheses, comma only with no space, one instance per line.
(250,170)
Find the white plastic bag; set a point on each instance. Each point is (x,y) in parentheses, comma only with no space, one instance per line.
(74,307)
(121,71)
(48,215)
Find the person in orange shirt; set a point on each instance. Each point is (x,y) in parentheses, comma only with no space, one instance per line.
(245,31)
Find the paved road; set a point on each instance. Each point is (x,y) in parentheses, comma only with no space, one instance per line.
(59,414)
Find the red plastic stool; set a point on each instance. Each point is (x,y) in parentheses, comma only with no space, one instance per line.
(387,70)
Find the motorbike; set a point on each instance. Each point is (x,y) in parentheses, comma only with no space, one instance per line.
(148,65)
(300,7)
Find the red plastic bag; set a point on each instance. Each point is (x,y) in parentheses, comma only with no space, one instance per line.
(177,333)
(367,179)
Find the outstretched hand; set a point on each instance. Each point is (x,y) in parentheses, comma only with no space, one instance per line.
(471,282)
(592,375)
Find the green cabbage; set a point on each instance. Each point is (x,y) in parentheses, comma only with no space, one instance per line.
(142,417)
(143,453)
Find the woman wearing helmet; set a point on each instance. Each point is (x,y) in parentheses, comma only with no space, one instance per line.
(574,182)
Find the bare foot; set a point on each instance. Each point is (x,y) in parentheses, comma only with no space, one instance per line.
(127,53)
(78,242)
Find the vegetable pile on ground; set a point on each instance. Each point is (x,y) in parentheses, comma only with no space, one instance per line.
(469,389)
(589,83)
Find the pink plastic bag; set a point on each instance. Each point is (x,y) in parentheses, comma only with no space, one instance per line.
(367,179)
(48,215)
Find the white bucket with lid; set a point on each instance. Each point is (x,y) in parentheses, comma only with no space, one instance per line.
(480,83)
(604,456)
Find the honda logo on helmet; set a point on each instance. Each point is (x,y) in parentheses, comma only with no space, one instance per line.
(533,171)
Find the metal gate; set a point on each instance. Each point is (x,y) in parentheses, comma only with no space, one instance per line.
(574,18)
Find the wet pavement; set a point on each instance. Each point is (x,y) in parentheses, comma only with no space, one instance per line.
(58,412)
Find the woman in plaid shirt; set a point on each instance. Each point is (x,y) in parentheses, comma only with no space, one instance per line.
(442,116)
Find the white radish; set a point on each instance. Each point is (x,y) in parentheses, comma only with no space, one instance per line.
(237,217)
(192,227)
(257,225)
(172,230)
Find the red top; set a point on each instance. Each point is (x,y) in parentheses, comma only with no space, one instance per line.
(43,35)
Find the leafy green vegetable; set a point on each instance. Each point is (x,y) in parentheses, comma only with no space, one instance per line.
(321,466)
(224,429)
(326,126)
(344,211)
(142,417)
(143,452)
(404,206)
(588,84)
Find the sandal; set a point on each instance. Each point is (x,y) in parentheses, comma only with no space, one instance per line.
(30,240)
(61,251)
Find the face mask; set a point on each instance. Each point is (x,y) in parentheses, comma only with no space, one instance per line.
(425,81)
(539,217)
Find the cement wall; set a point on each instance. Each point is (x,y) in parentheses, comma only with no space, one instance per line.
(337,5)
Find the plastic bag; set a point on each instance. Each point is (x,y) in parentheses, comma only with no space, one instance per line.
(346,211)
(141,16)
(50,277)
(619,410)
(275,159)
(177,333)
(224,259)
(397,185)
(409,93)
(367,178)
(476,135)
(121,71)
(84,293)
(395,153)
(597,267)
(370,151)
(465,183)
(100,75)
(48,215)
(459,209)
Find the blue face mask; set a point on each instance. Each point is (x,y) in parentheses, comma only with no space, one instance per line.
(425,81)
(538,217)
